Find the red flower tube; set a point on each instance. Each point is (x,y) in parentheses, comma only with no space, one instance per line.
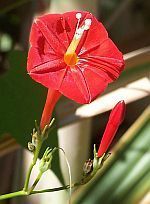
(51,100)
(72,53)
(115,119)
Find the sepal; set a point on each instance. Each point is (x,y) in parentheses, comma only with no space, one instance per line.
(91,167)
(46,160)
(46,130)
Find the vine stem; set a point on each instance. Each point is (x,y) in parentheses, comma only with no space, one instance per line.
(23,193)
(36,154)
(35,182)
(56,189)
(14,194)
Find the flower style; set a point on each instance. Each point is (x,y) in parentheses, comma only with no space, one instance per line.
(115,119)
(72,53)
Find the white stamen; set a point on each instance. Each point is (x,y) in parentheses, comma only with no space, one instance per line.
(77,36)
(78,15)
(88,22)
(79,31)
(86,27)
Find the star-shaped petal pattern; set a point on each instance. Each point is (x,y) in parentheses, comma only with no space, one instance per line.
(99,61)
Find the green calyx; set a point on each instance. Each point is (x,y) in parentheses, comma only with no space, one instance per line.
(91,167)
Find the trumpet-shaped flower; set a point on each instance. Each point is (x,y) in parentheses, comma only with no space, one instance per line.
(72,53)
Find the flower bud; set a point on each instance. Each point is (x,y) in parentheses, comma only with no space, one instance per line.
(45,162)
(31,147)
(115,119)
(88,166)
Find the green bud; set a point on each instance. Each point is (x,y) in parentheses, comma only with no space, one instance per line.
(88,166)
(35,139)
(31,147)
(46,160)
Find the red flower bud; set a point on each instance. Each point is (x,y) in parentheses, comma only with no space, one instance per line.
(115,119)
(72,53)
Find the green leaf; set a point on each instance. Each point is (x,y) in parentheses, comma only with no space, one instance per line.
(21,103)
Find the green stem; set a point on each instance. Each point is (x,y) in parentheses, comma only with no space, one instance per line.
(36,154)
(35,182)
(11,195)
(23,193)
(56,189)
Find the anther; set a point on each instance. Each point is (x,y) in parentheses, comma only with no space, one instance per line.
(87,24)
(79,32)
(78,16)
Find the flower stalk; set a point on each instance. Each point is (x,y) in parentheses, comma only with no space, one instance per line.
(38,137)
(90,168)
(36,154)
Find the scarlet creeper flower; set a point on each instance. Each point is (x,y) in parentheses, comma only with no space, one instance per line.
(72,53)
(115,119)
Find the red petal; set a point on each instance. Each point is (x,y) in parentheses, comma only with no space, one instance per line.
(49,25)
(82,85)
(95,35)
(71,89)
(115,119)
(52,79)
(106,57)
(40,51)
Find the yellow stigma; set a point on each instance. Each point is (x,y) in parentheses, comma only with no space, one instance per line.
(70,57)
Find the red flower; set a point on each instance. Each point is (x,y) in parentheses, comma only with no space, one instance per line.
(71,53)
(115,119)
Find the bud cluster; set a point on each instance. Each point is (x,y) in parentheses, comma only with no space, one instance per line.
(39,134)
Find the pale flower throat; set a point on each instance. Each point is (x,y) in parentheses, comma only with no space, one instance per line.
(70,57)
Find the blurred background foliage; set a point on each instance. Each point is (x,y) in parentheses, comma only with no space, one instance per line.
(21,100)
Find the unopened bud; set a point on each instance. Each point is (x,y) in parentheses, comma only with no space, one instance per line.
(45,162)
(31,147)
(35,139)
(88,166)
